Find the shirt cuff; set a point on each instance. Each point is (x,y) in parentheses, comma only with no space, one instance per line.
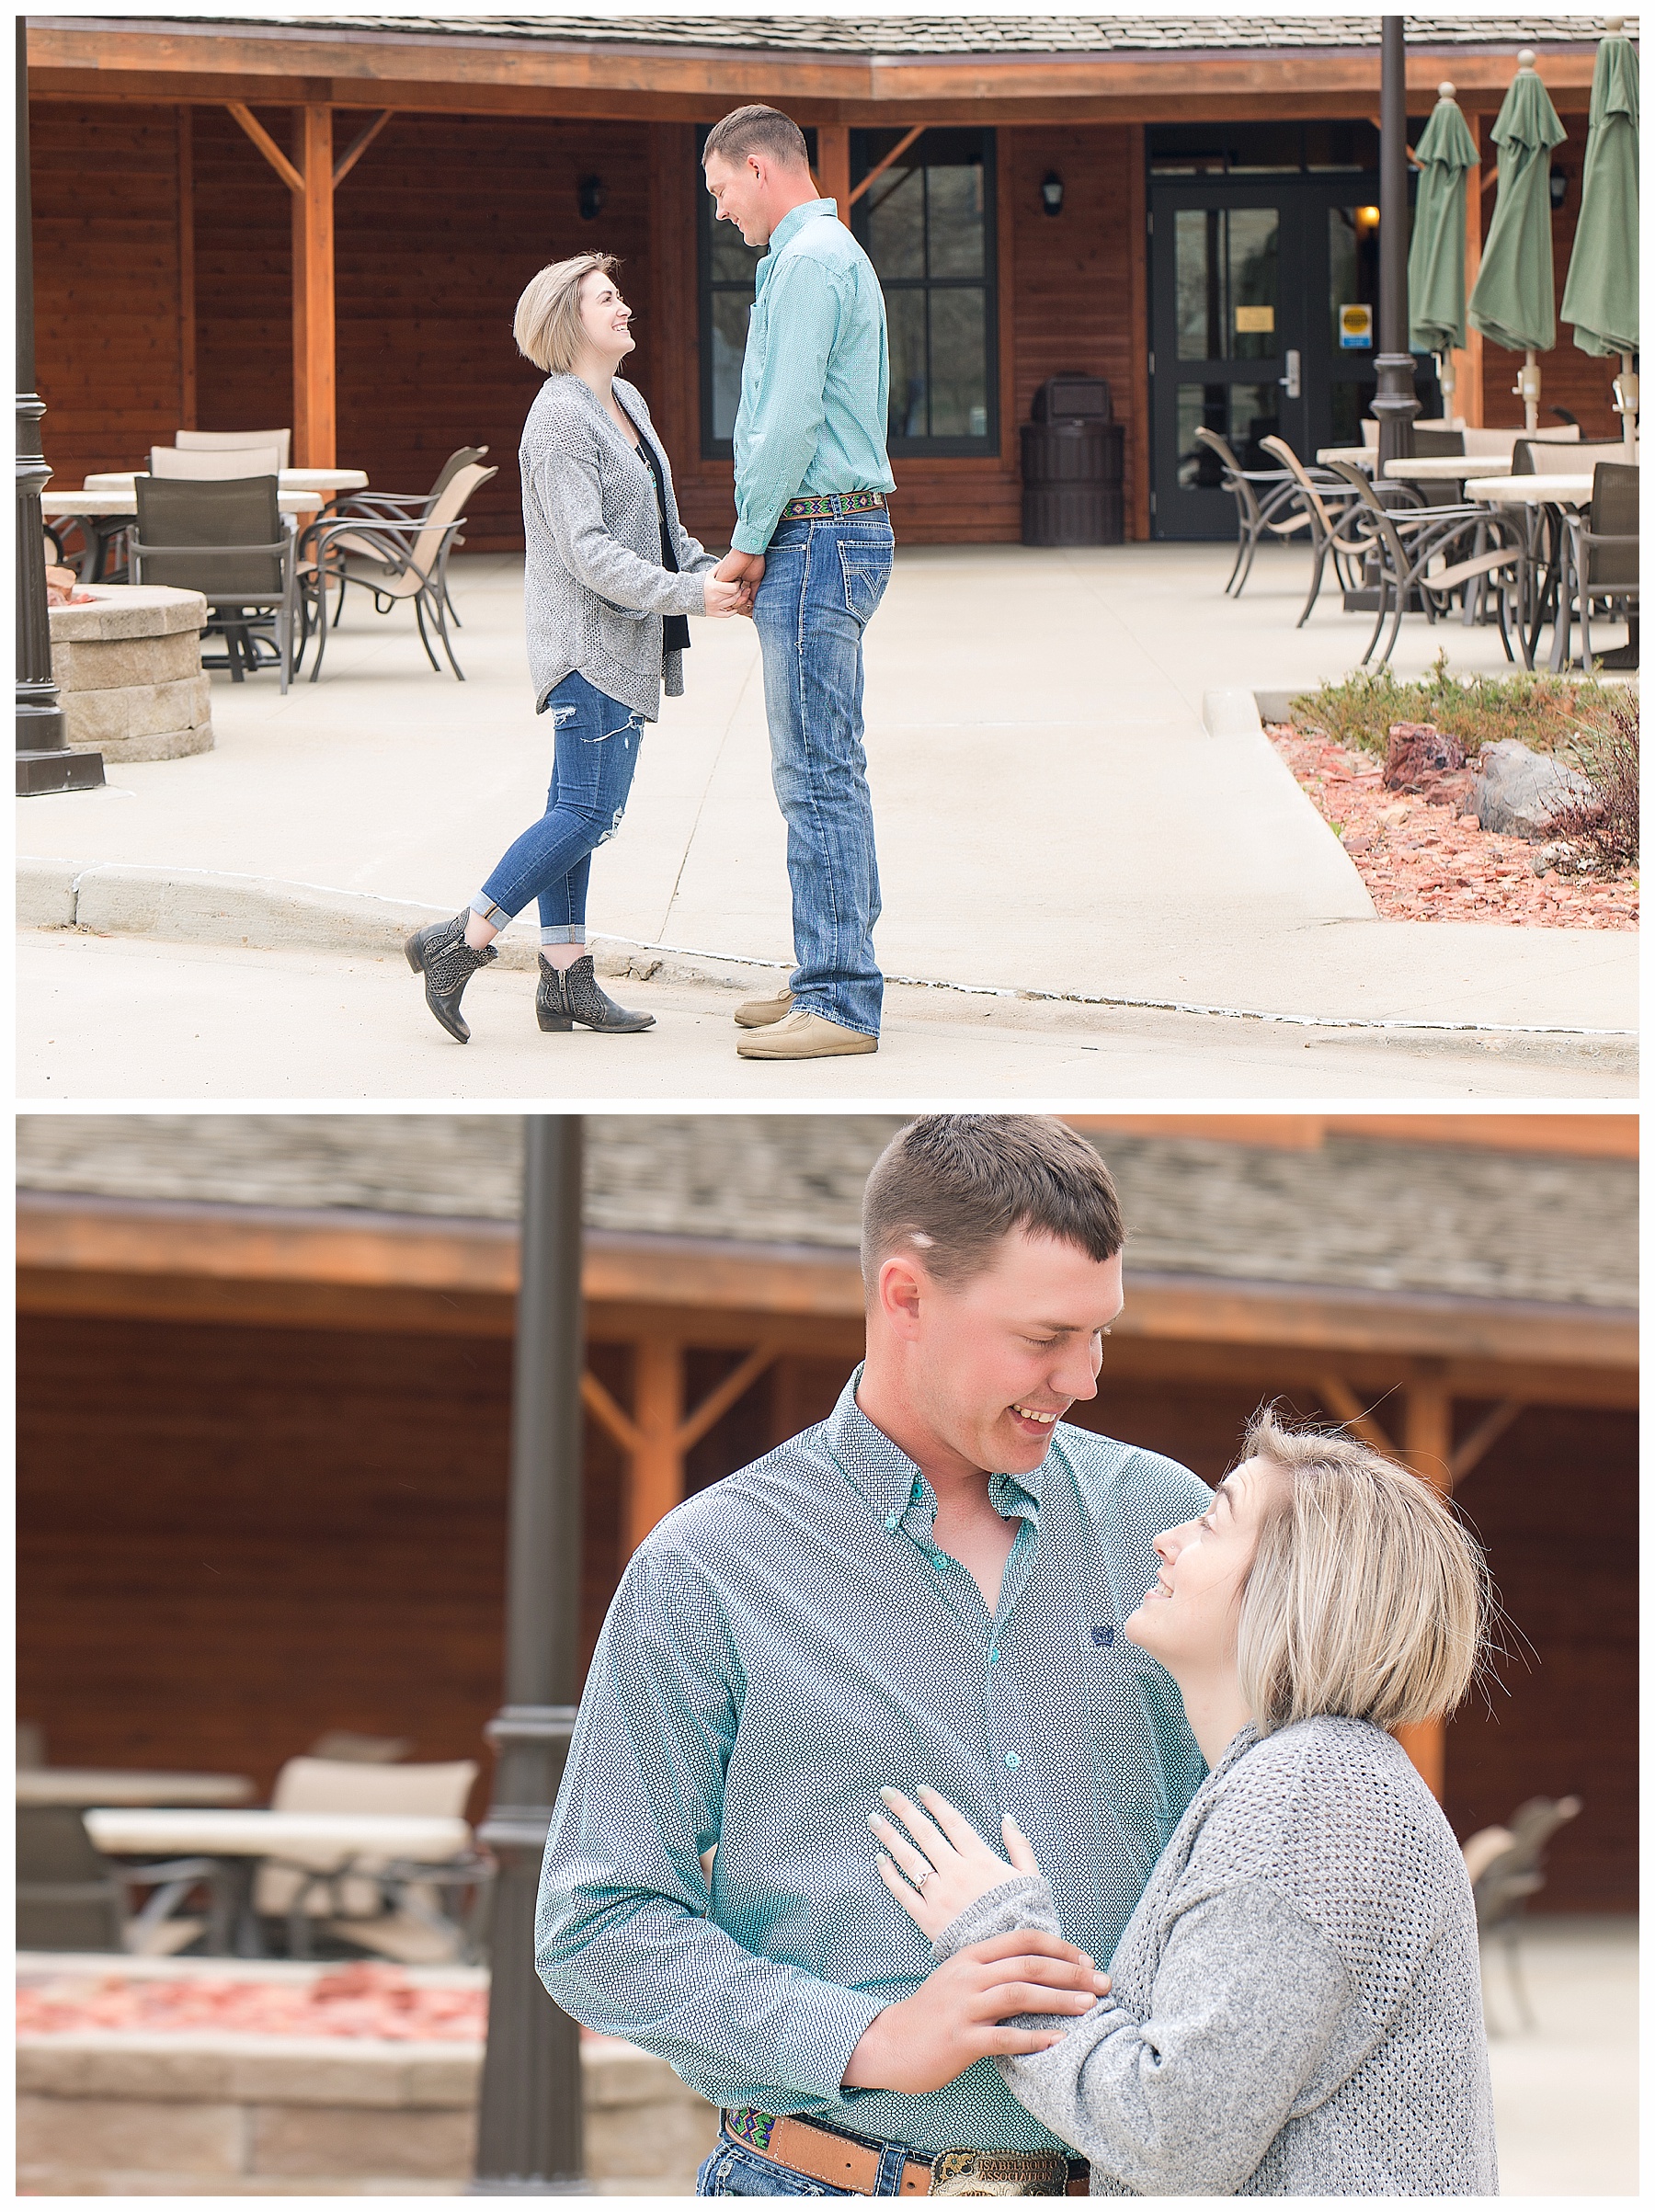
(748,538)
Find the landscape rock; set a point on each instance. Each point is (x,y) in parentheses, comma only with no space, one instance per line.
(1518,792)
(1415,749)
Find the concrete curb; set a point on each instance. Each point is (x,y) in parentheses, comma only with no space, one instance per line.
(191,906)
(1230,713)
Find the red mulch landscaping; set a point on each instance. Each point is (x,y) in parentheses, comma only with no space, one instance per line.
(1422,861)
(358,2000)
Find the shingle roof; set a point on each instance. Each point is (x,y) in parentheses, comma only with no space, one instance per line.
(1358,1213)
(948,34)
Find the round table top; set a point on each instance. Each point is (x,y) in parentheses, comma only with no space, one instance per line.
(118,497)
(236,1835)
(1560,490)
(124,1785)
(1359,457)
(290,480)
(1446,468)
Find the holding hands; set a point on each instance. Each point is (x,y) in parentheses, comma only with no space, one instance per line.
(745,571)
(947,1866)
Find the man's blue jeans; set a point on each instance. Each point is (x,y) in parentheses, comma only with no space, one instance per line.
(596,751)
(822,582)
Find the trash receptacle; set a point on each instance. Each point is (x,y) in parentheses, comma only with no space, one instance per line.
(1073,466)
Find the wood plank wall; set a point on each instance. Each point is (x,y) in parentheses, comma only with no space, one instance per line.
(231,1539)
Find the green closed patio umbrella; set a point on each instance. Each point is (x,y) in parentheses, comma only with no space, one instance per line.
(1436,254)
(1514,301)
(1600,296)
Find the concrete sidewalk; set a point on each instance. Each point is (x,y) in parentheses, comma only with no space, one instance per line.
(1054,814)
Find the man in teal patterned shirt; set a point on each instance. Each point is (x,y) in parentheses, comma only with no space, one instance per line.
(813,535)
(928,1588)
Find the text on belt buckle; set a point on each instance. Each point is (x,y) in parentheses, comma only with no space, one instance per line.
(998,2173)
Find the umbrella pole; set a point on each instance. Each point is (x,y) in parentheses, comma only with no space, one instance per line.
(1527,389)
(1625,401)
(1446,378)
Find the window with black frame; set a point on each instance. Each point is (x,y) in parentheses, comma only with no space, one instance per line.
(726,266)
(927,224)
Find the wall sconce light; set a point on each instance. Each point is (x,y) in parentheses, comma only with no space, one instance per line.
(1367,218)
(1559,191)
(1051,192)
(588,198)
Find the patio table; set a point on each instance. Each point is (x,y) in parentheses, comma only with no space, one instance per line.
(1358,457)
(1544,497)
(128,1786)
(290,480)
(1446,468)
(237,1841)
(109,503)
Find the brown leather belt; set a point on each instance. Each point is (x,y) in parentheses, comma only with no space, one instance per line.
(846,2161)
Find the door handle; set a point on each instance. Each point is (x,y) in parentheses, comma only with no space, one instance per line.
(1290,381)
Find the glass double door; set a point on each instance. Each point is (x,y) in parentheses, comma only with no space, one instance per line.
(1263,307)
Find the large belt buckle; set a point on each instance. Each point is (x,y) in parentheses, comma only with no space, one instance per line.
(998,2173)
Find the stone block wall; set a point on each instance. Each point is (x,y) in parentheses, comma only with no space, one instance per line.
(105,2113)
(129,671)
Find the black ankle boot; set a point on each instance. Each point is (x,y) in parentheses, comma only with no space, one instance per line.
(441,955)
(573,994)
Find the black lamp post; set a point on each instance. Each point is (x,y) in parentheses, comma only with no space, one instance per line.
(45,761)
(529,2138)
(1395,406)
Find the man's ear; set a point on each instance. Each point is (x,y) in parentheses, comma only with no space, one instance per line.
(900,1292)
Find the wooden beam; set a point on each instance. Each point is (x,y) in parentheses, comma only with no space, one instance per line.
(1137,428)
(1428,1430)
(1571,1136)
(187,285)
(1425,1743)
(601,1406)
(1486,1433)
(717,1403)
(887,161)
(359,146)
(833,166)
(315,399)
(1472,359)
(266,145)
(1341,1400)
(657,1473)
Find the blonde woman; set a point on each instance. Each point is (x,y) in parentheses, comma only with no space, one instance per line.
(1295,2007)
(609,576)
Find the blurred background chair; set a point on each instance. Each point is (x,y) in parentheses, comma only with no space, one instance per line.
(1507,1866)
(227,540)
(1327,502)
(1603,564)
(397,558)
(405,507)
(69,1898)
(418,1914)
(1265,500)
(206,468)
(232,441)
(1433,551)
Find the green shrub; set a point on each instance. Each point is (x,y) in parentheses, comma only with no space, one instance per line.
(1553,713)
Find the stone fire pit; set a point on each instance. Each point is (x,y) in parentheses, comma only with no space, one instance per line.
(128,668)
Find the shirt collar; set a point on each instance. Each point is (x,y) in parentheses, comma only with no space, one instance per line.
(889,1482)
(793,221)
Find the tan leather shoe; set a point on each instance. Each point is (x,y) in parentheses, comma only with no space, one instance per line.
(802,1036)
(759,1013)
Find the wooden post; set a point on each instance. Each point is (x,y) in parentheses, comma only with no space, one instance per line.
(1428,1446)
(1471,373)
(1137,430)
(833,164)
(187,292)
(313,387)
(657,1462)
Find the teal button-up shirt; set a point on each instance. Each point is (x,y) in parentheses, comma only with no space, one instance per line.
(782,1645)
(815,379)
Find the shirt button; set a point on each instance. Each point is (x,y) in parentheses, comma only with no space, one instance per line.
(993,1652)
(1012,1760)
(936,1558)
(891,1519)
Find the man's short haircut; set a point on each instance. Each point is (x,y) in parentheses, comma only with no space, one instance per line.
(1367,1596)
(764,131)
(948,1187)
(547,327)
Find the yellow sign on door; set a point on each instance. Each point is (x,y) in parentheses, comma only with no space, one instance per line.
(1255,318)
(1356,328)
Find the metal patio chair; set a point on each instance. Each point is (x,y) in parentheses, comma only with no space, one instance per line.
(406,507)
(208,468)
(227,540)
(1509,1876)
(1601,567)
(397,559)
(235,442)
(1325,500)
(1421,549)
(1254,515)
(69,1898)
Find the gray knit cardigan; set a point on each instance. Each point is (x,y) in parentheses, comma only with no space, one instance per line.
(594,590)
(1296,2009)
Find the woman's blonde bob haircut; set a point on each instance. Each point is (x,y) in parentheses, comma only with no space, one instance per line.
(1365,1597)
(547,324)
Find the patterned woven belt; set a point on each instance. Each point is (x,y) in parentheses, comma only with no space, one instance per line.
(830,504)
(850,2162)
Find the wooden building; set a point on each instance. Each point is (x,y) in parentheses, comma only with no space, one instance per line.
(264,1393)
(327,221)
